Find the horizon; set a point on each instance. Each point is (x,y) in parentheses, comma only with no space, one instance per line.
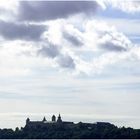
(79,58)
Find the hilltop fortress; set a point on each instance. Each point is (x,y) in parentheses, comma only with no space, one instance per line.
(59,122)
(45,122)
(59,129)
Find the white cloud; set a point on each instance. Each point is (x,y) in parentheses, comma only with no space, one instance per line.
(62,41)
(8,9)
(97,37)
(106,45)
(130,29)
(128,6)
(60,44)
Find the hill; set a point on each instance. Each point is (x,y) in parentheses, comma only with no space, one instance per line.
(58,129)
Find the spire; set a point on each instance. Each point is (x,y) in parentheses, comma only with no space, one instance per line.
(59,115)
(44,119)
(27,120)
(59,118)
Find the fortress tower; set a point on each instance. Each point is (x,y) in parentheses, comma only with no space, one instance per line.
(27,120)
(53,118)
(59,120)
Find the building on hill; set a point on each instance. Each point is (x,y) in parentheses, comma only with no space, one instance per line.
(59,122)
(44,122)
(55,125)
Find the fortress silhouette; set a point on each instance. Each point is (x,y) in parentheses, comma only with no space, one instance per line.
(44,122)
(59,122)
(59,129)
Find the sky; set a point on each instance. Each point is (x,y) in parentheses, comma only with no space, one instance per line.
(77,58)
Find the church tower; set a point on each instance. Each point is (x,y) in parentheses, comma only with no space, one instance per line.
(53,118)
(59,120)
(27,120)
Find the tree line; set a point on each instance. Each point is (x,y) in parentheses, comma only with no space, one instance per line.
(75,131)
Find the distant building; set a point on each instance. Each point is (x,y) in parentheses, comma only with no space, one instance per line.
(60,122)
(44,122)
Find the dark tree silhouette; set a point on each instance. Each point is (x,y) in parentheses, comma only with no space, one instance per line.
(71,131)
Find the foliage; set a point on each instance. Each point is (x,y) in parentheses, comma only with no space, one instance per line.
(71,131)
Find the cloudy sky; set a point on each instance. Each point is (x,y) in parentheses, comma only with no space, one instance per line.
(79,58)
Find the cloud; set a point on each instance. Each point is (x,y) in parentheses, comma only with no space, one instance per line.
(106,45)
(73,39)
(50,50)
(113,40)
(129,6)
(66,61)
(15,31)
(112,47)
(102,46)
(49,10)
(57,54)
(8,10)
(60,57)
(107,37)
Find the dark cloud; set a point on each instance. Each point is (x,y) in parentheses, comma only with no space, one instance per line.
(53,51)
(47,10)
(112,47)
(49,51)
(13,31)
(73,39)
(66,61)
